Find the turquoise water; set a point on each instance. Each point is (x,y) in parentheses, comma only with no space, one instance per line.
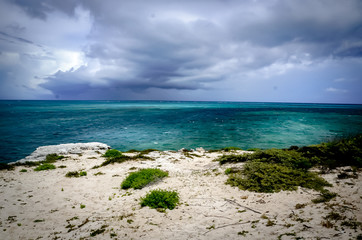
(124,125)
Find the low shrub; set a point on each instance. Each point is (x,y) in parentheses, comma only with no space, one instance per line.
(76,174)
(325,196)
(145,151)
(44,166)
(337,153)
(5,166)
(112,153)
(288,158)
(161,199)
(51,158)
(272,177)
(229,149)
(115,156)
(234,158)
(141,178)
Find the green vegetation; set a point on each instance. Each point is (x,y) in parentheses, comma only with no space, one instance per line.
(23,170)
(82,206)
(5,166)
(229,149)
(98,231)
(45,166)
(161,199)
(273,170)
(141,178)
(289,158)
(338,153)
(115,156)
(76,174)
(51,158)
(146,151)
(39,220)
(271,177)
(325,196)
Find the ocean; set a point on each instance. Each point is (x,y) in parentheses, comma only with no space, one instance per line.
(163,125)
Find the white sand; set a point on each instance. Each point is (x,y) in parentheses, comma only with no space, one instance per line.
(209,209)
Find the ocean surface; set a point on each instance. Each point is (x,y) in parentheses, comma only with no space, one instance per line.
(124,125)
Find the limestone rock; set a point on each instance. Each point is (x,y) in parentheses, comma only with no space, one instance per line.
(62,149)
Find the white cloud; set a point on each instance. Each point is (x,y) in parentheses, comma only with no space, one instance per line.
(336,90)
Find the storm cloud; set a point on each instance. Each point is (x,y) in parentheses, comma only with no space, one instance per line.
(182,50)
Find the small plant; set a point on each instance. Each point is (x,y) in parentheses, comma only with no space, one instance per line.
(44,166)
(98,231)
(82,206)
(115,156)
(233,158)
(39,220)
(141,178)
(113,153)
(211,227)
(51,158)
(98,173)
(23,170)
(325,196)
(300,206)
(76,174)
(243,233)
(229,149)
(5,166)
(161,199)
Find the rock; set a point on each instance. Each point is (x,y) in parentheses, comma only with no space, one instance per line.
(62,149)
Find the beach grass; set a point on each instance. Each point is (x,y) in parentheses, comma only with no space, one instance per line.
(273,170)
(44,166)
(142,178)
(76,174)
(161,199)
(114,156)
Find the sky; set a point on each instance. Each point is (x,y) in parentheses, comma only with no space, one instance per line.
(194,50)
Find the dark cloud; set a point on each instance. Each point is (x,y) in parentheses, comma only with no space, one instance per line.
(137,48)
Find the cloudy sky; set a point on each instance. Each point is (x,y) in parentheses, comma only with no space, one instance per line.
(220,50)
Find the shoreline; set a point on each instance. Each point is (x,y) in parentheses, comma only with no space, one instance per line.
(47,204)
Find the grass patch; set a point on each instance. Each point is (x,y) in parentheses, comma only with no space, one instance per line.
(98,231)
(161,199)
(50,158)
(44,166)
(146,151)
(23,170)
(325,196)
(53,157)
(115,156)
(337,153)
(5,166)
(271,177)
(141,178)
(273,170)
(289,158)
(230,149)
(76,174)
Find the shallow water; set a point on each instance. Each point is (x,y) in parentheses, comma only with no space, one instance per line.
(124,125)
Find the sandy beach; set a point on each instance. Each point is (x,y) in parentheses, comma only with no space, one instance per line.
(48,205)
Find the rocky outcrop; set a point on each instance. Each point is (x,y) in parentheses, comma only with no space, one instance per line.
(62,149)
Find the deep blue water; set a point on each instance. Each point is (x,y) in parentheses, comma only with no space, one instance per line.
(124,125)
